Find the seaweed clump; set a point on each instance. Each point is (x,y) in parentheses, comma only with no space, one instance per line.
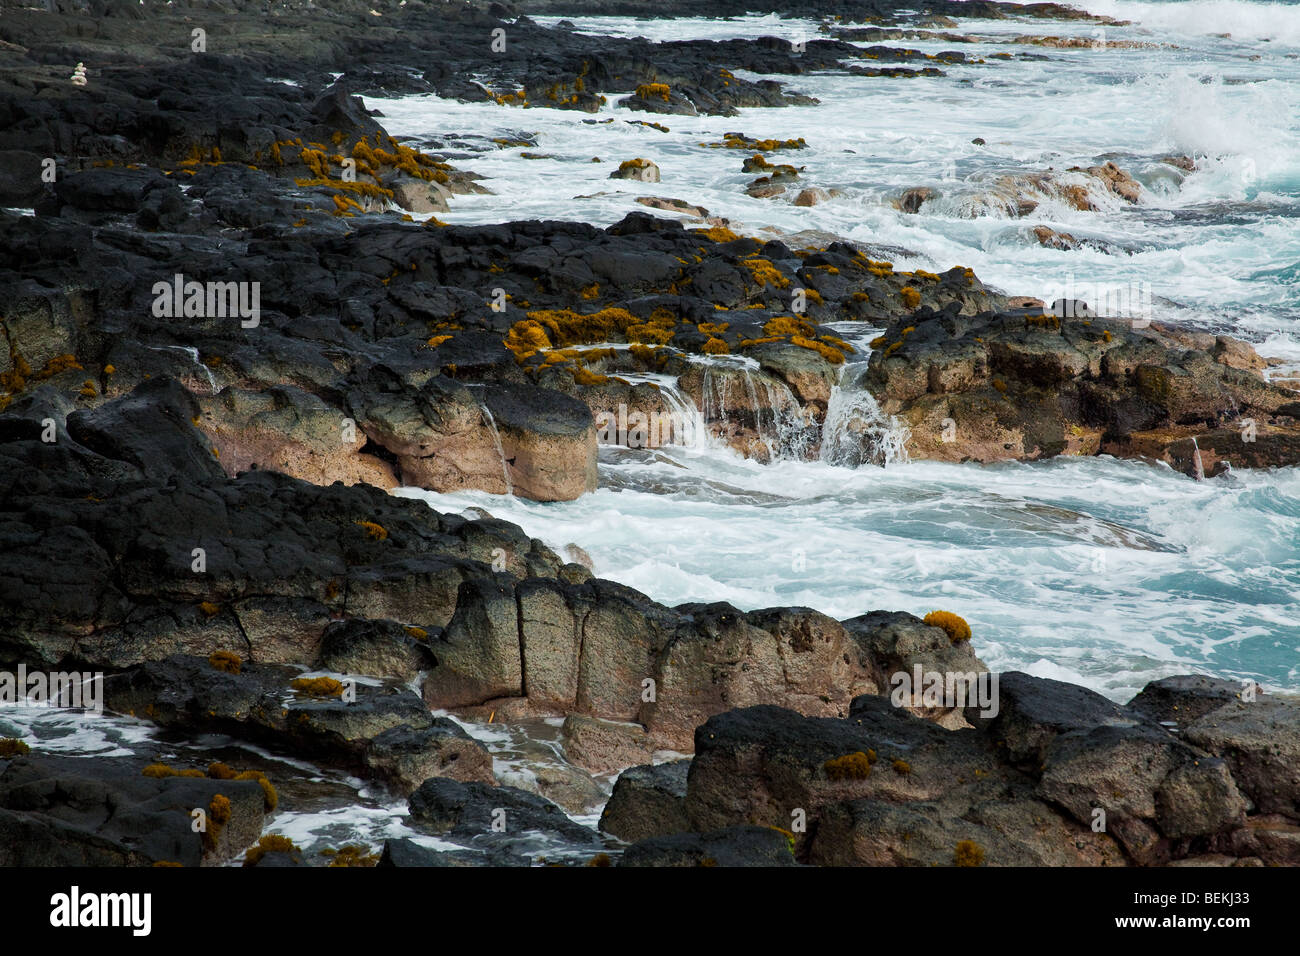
(351,854)
(854,766)
(227,661)
(269,844)
(968,853)
(317,686)
(956,627)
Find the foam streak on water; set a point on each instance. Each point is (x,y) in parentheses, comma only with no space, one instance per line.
(1103,572)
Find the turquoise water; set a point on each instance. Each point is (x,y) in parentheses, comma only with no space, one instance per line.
(1097,571)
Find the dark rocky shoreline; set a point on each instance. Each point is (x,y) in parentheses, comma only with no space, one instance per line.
(374,357)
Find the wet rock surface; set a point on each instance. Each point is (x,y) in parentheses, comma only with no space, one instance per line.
(225,336)
(1060,776)
(1030,384)
(70,811)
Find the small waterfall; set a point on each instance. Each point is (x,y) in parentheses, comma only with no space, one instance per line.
(688,422)
(193,353)
(684,425)
(779,420)
(856,431)
(791,432)
(501,452)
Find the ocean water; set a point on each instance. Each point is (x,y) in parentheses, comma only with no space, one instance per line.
(1102,572)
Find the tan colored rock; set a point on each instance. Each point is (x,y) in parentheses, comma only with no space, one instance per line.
(1055,240)
(913,199)
(642,170)
(1117,181)
(1235,353)
(293,432)
(674,205)
(604,746)
(420,196)
(811,196)
(797,658)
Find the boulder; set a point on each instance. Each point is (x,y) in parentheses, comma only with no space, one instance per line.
(81,811)
(648,801)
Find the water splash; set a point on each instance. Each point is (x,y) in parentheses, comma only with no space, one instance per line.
(496,437)
(193,353)
(856,431)
(687,423)
(1196,457)
(763,403)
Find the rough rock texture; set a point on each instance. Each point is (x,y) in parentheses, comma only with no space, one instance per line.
(385,732)
(1030,385)
(648,801)
(78,811)
(733,846)
(1060,776)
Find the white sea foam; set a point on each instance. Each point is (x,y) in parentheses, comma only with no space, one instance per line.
(1102,572)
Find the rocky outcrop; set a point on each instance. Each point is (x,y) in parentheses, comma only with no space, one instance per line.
(80,811)
(1030,385)
(602,651)
(1058,776)
(648,801)
(383,732)
(176,562)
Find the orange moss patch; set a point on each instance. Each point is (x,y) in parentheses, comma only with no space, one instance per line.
(351,855)
(717,234)
(584,376)
(526,338)
(832,355)
(219,809)
(956,627)
(317,686)
(788,325)
(647,91)
(160,771)
(227,661)
(854,766)
(269,844)
(968,853)
(565,327)
(765,273)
